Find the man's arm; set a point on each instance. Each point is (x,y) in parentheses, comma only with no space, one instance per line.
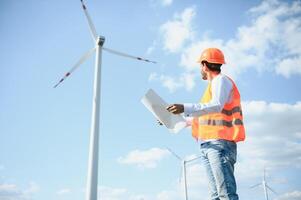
(221,89)
(221,92)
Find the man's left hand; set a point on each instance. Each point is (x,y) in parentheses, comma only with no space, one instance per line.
(175,108)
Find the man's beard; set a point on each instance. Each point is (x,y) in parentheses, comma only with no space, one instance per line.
(204,75)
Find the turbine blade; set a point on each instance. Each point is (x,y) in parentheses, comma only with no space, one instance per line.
(127,55)
(271,189)
(91,25)
(181,174)
(173,153)
(79,62)
(193,159)
(255,185)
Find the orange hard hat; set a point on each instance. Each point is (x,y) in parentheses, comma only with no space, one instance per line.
(212,55)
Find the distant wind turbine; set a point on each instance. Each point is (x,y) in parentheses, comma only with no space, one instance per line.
(184,162)
(91,193)
(265,186)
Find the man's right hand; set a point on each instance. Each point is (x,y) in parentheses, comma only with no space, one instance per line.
(175,108)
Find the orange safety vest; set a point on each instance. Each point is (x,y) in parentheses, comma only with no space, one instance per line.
(227,124)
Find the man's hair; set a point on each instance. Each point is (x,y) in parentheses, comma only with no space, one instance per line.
(213,66)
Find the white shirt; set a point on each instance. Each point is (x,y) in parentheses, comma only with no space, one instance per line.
(221,88)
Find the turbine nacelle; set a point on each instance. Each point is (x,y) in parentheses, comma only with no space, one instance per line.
(100,40)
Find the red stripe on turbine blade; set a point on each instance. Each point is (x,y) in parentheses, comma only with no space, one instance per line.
(84,7)
(58,83)
(139,58)
(67,74)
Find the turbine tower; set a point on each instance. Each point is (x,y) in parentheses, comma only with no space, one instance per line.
(184,162)
(265,186)
(92,178)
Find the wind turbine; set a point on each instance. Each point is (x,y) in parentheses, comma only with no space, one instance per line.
(265,186)
(92,178)
(184,162)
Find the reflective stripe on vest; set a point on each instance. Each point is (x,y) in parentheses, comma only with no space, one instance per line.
(221,122)
(227,124)
(233,110)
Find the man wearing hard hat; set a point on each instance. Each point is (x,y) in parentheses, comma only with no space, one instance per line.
(217,122)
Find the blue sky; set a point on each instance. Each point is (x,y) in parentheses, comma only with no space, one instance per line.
(45,131)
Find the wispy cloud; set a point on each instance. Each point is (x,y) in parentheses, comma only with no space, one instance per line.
(64,191)
(117,193)
(13,192)
(173,83)
(110,193)
(144,158)
(295,195)
(167,195)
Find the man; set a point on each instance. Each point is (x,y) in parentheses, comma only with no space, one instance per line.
(217,122)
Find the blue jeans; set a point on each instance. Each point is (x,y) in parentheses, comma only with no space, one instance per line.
(219,158)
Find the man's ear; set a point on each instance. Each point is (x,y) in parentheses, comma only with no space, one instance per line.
(206,69)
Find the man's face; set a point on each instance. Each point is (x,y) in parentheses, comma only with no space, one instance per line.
(203,72)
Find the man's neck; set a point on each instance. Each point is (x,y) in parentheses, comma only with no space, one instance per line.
(212,75)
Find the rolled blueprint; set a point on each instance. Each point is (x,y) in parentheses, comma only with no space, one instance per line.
(157,106)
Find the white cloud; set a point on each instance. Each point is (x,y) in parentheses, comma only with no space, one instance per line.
(272,138)
(192,52)
(153,76)
(271,42)
(171,83)
(289,66)
(166,2)
(186,80)
(167,195)
(150,49)
(32,188)
(177,31)
(64,191)
(163,3)
(144,159)
(295,195)
(110,193)
(113,193)
(13,192)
